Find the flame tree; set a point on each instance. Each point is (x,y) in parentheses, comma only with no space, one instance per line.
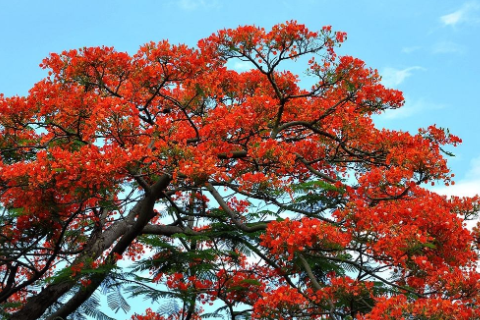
(250,190)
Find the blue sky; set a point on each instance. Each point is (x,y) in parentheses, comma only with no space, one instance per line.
(426,48)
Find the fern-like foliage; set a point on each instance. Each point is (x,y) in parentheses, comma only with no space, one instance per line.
(116,301)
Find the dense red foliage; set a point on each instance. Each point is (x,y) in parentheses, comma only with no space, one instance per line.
(262,193)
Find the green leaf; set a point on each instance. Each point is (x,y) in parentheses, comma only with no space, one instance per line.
(429,245)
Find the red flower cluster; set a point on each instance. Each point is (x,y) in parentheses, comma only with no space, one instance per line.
(250,190)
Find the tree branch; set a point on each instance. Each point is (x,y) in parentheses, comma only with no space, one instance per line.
(232,214)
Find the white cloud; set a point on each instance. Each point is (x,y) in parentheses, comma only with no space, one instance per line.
(410,49)
(411,108)
(468,186)
(448,47)
(461,188)
(242,66)
(466,14)
(392,77)
(191,5)
(452,18)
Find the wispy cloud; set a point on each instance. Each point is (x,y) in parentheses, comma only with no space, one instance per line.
(466,14)
(452,18)
(410,49)
(241,66)
(411,107)
(191,5)
(468,186)
(392,77)
(448,47)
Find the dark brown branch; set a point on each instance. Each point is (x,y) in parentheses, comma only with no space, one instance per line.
(232,214)
(233,155)
(168,230)
(316,172)
(144,213)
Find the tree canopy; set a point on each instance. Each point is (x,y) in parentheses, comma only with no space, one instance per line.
(257,194)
